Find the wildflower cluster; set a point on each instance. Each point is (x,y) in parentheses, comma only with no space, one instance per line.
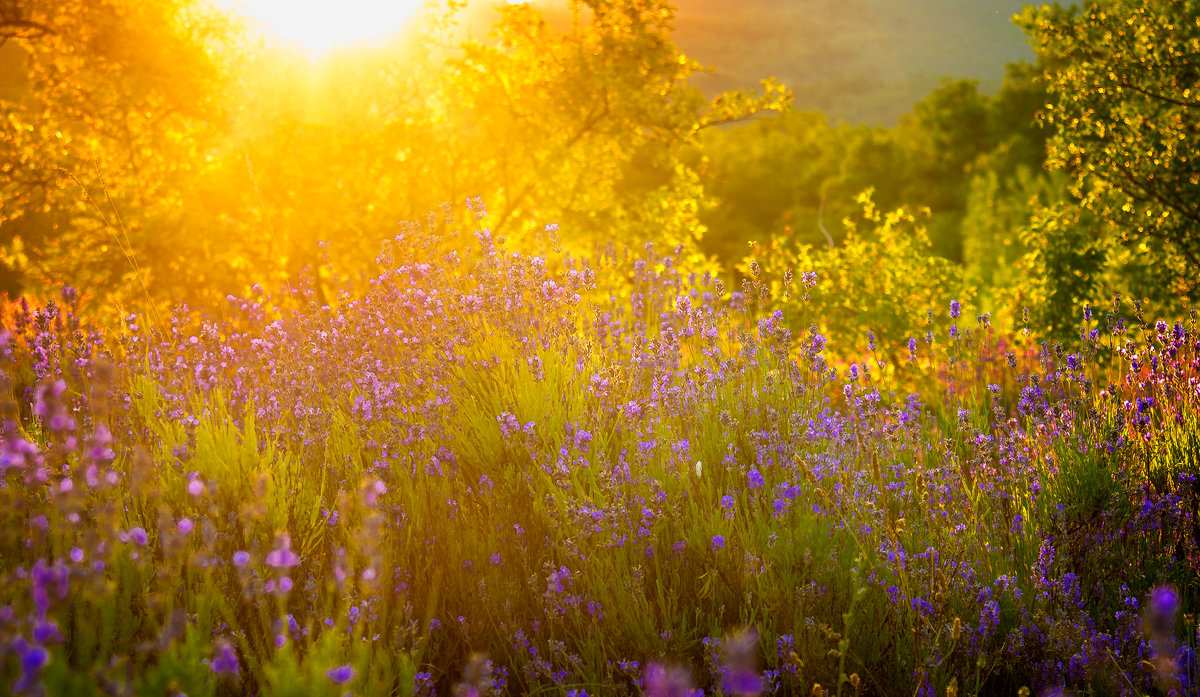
(496,473)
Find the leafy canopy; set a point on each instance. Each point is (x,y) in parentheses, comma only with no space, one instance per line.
(1123,79)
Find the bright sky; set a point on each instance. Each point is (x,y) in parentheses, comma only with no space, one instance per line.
(319,25)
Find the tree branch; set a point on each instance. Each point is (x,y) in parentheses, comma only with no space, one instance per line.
(12,28)
(1161,97)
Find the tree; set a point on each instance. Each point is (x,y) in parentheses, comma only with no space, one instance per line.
(587,126)
(1124,104)
(767,172)
(157,151)
(120,101)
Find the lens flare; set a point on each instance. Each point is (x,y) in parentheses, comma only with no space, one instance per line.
(322,25)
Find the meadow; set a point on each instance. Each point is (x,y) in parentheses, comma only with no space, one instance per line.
(675,394)
(497,473)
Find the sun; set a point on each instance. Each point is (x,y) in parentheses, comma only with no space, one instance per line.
(321,25)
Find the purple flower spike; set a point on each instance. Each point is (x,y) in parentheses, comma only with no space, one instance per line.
(1160,612)
(46,632)
(282,557)
(1164,601)
(226,661)
(669,681)
(138,536)
(718,542)
(739,658)
(341,675)
(48,581)
(743,682)
(33,659)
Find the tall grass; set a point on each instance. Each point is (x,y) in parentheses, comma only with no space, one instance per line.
(502,473)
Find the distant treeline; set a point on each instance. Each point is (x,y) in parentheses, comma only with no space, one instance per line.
(1075,182)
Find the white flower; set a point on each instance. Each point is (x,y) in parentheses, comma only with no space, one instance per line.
(699,468)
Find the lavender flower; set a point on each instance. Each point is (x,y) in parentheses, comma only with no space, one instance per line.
(341,674)
(282,556)
(669,681)
(226,661)
(33,659)
(739,663)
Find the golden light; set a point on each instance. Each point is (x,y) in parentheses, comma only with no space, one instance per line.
(321,25)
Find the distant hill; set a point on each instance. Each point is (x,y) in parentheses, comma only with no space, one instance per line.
(865,61)
(862,60)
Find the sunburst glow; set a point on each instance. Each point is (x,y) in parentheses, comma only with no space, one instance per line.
(321,25)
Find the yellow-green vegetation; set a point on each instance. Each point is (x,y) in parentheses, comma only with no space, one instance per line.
(677,395)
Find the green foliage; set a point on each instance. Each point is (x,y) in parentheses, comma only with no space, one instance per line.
(120,105)
(119,158)
(585,126)
(947,131)
(767,172)
(797,175)
(1072,260)
(1018,137)
(885,262)
(1178,453)
(1123,80)
(990,246)
(1064,261)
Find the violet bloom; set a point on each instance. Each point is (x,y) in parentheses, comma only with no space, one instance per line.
(46,631)
(33,659)
(955,309)
(283,556)
(226,661)
(241,558)
(341,675)
(138,536)
(1161,611)
(669,681)
(48,582)
(739,659)
(718,542)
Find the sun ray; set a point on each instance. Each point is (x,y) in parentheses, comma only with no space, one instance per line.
(322,25)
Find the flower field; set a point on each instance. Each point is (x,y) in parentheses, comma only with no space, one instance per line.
(496,473)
